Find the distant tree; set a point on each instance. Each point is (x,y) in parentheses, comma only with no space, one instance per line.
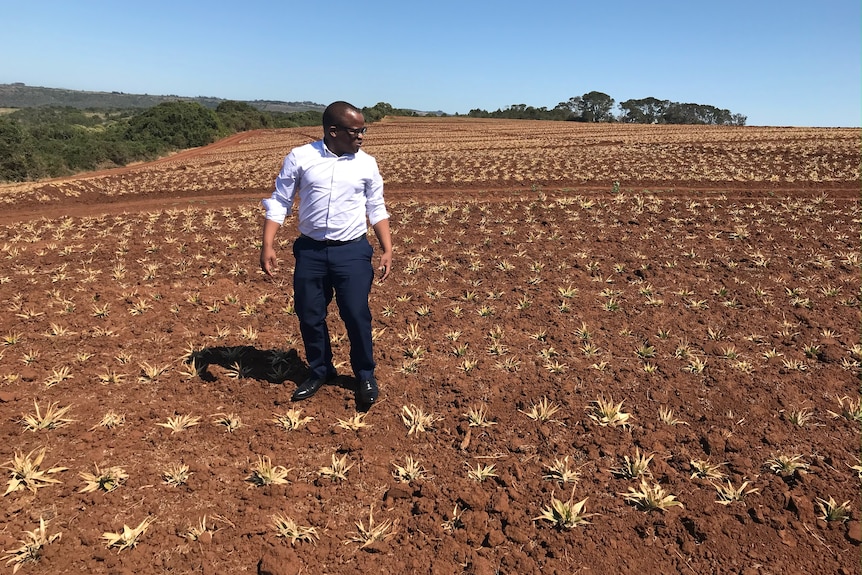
(382,109)
(17,162)
(597,107)
(377,112)
(176,125)
(677,113)
(562,111)
(295,119)
(234,107)
(478,113)
(241,117)
(644,111)
(738,120)
(592,107)
(713,115)
(83,153)
(518,112)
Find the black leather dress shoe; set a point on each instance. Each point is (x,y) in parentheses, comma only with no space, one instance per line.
(308,388)
(366,392)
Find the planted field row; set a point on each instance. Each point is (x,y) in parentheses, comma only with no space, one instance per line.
(558,371)
(481,154)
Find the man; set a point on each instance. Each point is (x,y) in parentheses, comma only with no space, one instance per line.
(338,187)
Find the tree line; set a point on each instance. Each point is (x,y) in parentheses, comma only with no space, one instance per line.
(599,107)
(49,142)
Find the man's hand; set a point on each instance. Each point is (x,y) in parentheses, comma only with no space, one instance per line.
(267,252)
(267,260)
(384,238)
(385,266)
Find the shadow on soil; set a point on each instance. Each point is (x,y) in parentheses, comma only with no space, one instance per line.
(248,362)
(276,366)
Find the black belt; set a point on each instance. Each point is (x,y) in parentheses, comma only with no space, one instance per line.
(331,242)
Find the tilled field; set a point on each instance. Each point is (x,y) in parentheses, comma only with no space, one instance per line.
(630,348)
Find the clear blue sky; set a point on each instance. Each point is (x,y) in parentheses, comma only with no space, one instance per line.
(780,63)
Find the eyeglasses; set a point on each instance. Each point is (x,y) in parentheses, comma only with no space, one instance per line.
(352,131)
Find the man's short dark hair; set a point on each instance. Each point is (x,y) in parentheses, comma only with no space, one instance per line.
(334,113)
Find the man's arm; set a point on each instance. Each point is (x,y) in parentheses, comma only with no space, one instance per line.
(278,206)
(267,251)
(384,238)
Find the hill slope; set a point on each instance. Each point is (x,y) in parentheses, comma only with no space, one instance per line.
(20,95)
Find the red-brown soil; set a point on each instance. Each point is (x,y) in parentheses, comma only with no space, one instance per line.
(521,276)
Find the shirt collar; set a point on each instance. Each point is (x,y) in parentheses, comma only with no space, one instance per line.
(329,152)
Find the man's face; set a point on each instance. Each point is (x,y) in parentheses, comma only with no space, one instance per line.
(346,136)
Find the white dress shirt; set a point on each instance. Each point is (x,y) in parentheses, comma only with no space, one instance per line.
(335,193)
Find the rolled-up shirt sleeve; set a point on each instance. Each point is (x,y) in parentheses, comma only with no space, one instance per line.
(280,204)
(375,207)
